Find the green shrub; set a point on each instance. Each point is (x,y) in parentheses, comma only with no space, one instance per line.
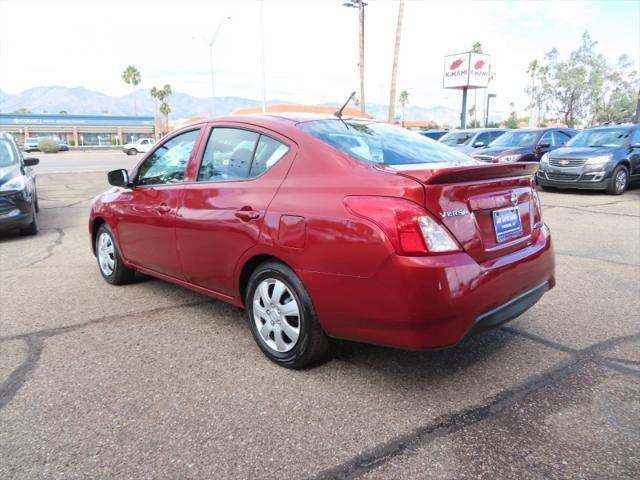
(48,145)
(72,143)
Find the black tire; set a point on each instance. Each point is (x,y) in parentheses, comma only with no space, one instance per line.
(132,151)
(32,228)
(312,345)
(120,274)
(615,188)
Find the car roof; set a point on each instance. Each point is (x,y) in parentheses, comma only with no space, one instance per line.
(612,126)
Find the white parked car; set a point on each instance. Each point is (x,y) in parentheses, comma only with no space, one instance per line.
(142,145)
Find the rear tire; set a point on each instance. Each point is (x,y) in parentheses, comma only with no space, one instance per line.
(282,318)
(110,263)
(619,181)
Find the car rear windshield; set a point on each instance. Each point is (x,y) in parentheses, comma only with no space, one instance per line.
(611,137)
(516,139)
(7,154)
(381,143)
(456,138)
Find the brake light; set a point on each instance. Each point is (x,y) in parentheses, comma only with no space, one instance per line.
(409,227)
(537,205)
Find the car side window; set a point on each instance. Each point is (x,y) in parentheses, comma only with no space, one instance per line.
(560,138)
(167,163)
(635,138)
(484,138)
(268,153)
(494,135)
(547,138)
(228,155)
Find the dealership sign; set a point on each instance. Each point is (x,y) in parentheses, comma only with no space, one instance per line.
(466,70)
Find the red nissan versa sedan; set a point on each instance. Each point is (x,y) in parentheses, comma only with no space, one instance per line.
(326,227)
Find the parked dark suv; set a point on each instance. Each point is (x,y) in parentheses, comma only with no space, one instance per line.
(600,158)
(18,197)
(524,145)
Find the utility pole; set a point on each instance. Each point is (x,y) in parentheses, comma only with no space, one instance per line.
(263,77)
(394,68)
(360,4)
(637,117)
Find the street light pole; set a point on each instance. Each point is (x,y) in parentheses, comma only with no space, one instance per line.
(210,43)
(360,4)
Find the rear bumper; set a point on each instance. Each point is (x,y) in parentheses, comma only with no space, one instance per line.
(510,310)
(432,302)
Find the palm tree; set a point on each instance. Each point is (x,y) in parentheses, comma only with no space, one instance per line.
(394,68)
(131,76)
(403,99)
(165,109)
(476,47)
(155,93)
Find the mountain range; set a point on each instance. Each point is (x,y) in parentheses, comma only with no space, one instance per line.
(81,101)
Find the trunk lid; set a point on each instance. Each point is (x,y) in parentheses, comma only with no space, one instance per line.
(464,198)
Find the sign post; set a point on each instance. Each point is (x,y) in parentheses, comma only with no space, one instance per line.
(464,71)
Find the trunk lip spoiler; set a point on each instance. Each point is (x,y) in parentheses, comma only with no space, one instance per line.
(436,173)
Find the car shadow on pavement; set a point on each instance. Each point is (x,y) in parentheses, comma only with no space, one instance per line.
(427,364)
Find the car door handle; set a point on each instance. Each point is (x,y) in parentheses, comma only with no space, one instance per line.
(163,208)
(247,214)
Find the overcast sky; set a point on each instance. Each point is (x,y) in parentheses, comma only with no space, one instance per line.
(310,46)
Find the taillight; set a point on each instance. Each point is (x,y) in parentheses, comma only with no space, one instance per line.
(537,206)
(409,227)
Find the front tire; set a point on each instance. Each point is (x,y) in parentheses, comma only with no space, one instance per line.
(32,228)
(282,318)
(110,263)
(132,151)
(619,181)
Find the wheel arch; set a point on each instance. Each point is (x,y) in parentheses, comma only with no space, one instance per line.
(95,226)
(625,163)
(250,266)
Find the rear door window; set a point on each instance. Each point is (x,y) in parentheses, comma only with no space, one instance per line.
(268,152)
(228,155)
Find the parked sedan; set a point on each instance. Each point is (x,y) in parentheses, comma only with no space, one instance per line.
(601,158)
(323,228)
(467,141)
(18,195)
(524,145)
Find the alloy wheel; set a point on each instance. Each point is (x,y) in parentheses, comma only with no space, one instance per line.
(621,180)
(276,315)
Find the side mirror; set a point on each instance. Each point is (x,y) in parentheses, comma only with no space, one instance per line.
(635,145)
(478,144)
(31,161)
(118,178)
(544,145)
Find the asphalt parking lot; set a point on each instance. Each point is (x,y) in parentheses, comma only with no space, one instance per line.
(153,381)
